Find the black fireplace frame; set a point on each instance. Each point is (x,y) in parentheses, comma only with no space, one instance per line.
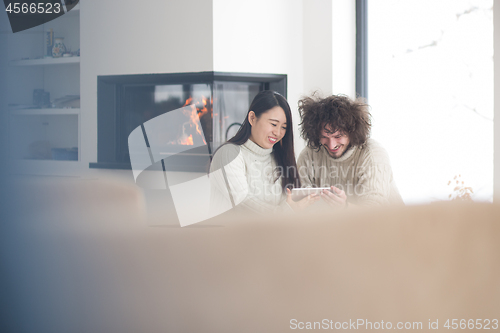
(110,89)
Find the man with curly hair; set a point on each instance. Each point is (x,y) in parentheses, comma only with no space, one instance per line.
(340,154)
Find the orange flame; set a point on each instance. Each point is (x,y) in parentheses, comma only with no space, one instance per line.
(194,113)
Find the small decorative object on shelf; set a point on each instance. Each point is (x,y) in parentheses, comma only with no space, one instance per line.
(59,48)
(49,40)
(41,98)
(38,97)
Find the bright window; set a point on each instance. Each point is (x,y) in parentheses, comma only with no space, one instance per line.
(430,86)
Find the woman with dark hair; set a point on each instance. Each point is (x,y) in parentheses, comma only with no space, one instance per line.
(256,167)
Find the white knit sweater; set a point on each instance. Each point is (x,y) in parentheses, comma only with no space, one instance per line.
(363,172)
(247,179)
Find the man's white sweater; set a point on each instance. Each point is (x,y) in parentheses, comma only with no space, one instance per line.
(363,172)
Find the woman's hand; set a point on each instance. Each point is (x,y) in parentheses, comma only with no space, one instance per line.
(337,198)
(302,203)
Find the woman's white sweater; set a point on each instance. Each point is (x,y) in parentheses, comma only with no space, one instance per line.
(244,177)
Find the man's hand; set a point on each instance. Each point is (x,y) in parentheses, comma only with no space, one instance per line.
(302,203)
(337,198)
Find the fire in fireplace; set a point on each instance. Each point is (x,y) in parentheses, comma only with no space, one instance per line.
(215,100)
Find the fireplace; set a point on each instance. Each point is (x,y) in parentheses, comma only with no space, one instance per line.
(215,101)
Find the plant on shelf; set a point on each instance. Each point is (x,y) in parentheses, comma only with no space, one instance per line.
(460,191)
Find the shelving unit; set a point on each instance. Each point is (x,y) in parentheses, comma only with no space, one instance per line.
(39,135)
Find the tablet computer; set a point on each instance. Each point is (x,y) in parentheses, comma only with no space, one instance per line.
(300,193)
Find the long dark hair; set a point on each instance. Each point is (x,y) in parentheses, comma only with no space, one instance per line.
(283,150)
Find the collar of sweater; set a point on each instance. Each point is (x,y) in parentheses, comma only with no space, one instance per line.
(256,149)
(346,156)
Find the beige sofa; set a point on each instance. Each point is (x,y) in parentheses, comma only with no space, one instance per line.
(83,257)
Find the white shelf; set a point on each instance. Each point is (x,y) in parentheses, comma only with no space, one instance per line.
(41,112)
(46,61)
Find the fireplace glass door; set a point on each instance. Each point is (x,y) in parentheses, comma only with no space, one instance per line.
(210,108)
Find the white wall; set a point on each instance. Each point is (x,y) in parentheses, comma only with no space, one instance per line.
(317,40)
(261,36)
(130,37)
(292,37)
(496,124)
(344,47)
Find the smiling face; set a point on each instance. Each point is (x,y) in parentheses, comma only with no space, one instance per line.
(335,143)
(269,128)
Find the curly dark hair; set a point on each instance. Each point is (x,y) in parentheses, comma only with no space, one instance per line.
(340,113)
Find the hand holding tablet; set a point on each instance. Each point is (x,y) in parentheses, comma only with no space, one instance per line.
(334,197)
(331,195)
(300,193)
(300,198)
(303,201)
